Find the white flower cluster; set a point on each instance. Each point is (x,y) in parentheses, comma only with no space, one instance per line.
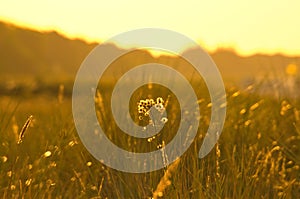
(144,106)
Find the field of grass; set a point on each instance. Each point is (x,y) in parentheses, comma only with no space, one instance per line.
(257,156)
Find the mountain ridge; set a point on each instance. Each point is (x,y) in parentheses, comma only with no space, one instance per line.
(27,53)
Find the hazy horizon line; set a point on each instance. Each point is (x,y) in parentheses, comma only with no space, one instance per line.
(90,41)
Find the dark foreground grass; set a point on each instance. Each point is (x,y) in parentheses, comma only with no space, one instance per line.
(257,156)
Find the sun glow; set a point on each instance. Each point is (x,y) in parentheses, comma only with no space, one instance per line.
(257,27)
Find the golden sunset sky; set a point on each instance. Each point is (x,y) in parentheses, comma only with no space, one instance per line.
(268,26)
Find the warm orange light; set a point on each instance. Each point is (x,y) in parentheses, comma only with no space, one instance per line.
(291,69)
(255,27)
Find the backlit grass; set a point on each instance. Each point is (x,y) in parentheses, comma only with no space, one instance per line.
(257,155)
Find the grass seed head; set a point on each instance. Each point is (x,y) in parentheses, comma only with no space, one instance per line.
(24,128)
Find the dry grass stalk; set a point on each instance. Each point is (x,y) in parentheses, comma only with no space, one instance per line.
(218,155)
(24,128)
(60,95)
(165,180)
(77,175)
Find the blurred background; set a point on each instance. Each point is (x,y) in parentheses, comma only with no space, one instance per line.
(44,42)
(255,45)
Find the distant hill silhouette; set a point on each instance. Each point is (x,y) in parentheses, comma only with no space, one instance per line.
(26,53)
(29,54)
(239,68)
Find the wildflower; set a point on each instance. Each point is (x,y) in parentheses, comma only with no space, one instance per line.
(158,106)
(12,187)
(47,154)
(164,120)
(152,101)
(9,173)
(4,159)
(145,105)
(89,164)
(285,106)
(159,100)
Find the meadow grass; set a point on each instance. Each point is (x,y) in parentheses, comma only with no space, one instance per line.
(257,156)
